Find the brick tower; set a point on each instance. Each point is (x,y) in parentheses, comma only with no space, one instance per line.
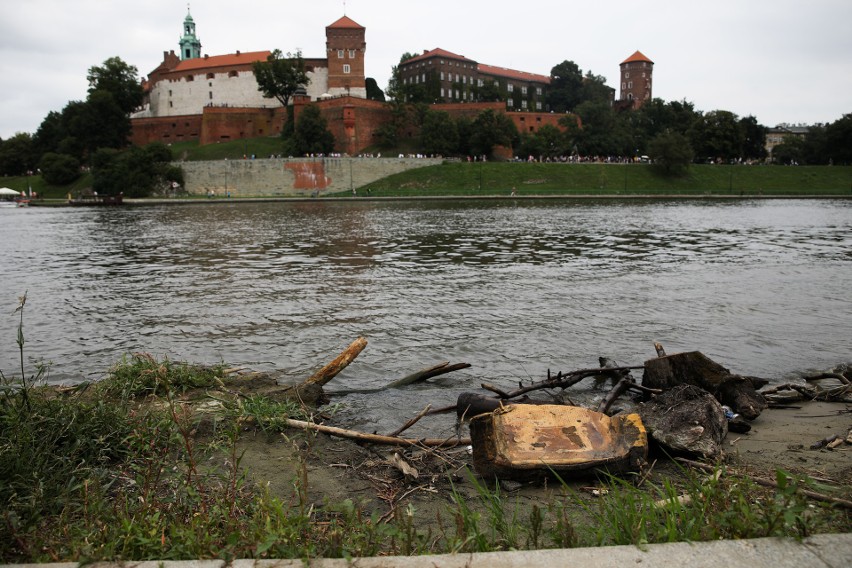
(636,74)
(345,44)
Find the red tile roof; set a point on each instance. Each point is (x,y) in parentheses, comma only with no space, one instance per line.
(228,60)
(513,74)
(638,56)
(346,22)
(438,52)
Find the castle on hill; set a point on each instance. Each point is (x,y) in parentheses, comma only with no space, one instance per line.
(190,96)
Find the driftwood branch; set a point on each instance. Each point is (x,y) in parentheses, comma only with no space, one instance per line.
(619,389)
(769,483)
(340,362)
(566,380)
(427,373)
(375,438)
(411,422)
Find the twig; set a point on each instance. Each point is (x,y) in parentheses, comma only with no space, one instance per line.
(411,422)
(375,438)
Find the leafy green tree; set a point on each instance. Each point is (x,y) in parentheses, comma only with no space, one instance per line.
(491,129)
(717,135)
(135,172)
(671,153)
(566,85)
(753,138)
(790,151)
(374,93)
(99,123)
(839,140)
(603,132)
(311,134)
(59,169)
(438,134)
(397,90)
(280,76)
(547,142)
(594,88)
(120,80)
(17,156)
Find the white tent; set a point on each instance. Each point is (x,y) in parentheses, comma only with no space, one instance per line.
(7,191)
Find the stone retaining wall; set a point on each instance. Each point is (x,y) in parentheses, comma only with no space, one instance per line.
(292,176)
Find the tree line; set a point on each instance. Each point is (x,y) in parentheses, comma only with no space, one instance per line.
(93,134)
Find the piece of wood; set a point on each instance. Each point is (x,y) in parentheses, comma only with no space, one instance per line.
(427,373)
(620,388)
(694,368)
(375,438)
(408,471)
(411,422)
(769,483)
(324,375)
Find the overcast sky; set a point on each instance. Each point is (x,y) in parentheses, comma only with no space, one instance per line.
(780,60)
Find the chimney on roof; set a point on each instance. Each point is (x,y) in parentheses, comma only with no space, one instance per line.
(206,55)
(238,52)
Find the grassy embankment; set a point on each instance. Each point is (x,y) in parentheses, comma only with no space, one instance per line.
(495,178)
(122,469)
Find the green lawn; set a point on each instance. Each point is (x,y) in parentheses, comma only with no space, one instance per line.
(493,178)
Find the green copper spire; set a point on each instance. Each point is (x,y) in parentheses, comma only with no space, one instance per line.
(190,46)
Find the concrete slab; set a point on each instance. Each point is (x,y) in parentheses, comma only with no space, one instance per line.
(821,551)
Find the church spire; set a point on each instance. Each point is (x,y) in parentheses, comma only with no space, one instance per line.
(190,45)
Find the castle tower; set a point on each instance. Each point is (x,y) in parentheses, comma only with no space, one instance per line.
(636,74)
(190,46)
(345,44)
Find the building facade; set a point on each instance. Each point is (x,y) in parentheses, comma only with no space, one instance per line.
(636,80)
(188,84)
(446,77)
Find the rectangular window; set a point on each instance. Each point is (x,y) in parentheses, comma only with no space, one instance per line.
(351,54)
(510,87)
(457,93)
(510,103)
(442,92)
(170,92)
(630,84)
(442,75)
(523,103)
(480,83)
(523,90)
(627,75)
(538,105)
(210,95)
(340,54)
(538,91)
(464,79)
(346,68)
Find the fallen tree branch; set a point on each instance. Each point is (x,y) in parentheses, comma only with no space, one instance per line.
(375,438)
(411,422)
(339,363)
(427,373)
(769,483)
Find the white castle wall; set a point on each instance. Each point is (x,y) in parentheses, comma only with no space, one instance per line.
(181,97)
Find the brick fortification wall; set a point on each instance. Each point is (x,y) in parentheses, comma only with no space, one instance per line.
(292,177)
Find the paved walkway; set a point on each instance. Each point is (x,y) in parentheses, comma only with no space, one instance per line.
(834,551)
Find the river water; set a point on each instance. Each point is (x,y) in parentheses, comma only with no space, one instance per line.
(513,287)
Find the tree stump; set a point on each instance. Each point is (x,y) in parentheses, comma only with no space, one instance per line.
(694,368)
